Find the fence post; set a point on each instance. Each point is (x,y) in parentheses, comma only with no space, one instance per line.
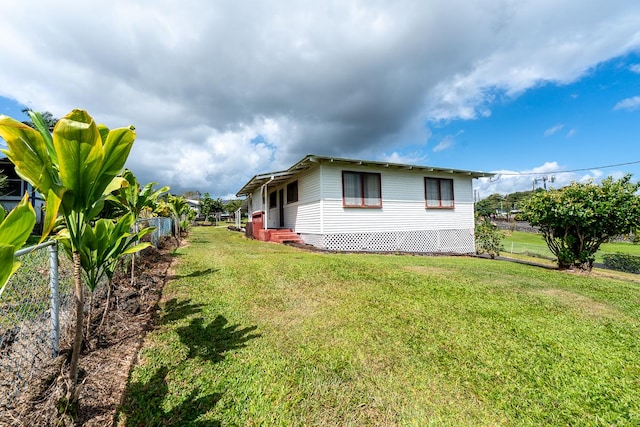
(55,299)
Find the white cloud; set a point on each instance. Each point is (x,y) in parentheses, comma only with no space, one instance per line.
(635,68)
(407,159)
(508,181)
(444,144)
(571,133)
(629,104)
(447,142)
(202,80)
(553,130)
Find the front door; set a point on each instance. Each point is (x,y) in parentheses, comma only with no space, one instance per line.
(281,207)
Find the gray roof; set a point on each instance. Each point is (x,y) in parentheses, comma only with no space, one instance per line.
(312,160)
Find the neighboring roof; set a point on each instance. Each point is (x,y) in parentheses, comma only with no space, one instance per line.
(311,160)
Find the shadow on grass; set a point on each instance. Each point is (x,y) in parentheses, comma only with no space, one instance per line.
(143,404)
(211,341)
(143,400)
(176,310)
(198,273)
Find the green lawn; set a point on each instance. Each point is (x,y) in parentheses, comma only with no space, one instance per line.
(260,334)
(533,244)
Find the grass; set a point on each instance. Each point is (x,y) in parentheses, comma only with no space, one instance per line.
(518,242)
(255,334)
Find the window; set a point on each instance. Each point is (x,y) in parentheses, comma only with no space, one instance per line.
(361,189)
(273,200)
(292,192)
(439,192)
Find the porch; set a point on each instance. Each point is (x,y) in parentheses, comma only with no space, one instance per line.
(256,230)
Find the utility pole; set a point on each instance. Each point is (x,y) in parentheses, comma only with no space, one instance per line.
(544,179)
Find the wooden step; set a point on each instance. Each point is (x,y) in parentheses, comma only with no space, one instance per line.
(284,235)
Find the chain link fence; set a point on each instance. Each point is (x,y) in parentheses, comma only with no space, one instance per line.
(37,307)
(164,227)
(34,308)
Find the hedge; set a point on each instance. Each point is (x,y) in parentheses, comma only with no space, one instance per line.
(622,262)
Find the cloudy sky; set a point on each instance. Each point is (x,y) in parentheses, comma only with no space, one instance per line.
(222,90)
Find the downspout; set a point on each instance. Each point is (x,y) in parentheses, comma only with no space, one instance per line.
(263,193)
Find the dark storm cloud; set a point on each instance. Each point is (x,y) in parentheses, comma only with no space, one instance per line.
(219,91)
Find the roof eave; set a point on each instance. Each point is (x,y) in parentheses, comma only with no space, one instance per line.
(311,159)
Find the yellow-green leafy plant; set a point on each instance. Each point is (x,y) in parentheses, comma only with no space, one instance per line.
(179,209)
(75,167)
(133,199)
(104,243)
(15,229)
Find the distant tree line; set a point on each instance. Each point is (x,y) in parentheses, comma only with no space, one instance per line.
(503,203)
(210,207)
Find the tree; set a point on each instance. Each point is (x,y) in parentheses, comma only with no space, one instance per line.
(209,206)
(232,206)
(489,205)
(488,238)
(206,206)
(217,205)
(498,202)
(577,219)
(191,195)
(75,168)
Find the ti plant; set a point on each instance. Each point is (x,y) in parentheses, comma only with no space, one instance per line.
(179,207)
(104,244)
(74,168)
(134,200)
(15,229)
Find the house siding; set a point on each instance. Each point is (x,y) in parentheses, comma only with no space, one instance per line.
(403,223)
(403,205)
(305,215)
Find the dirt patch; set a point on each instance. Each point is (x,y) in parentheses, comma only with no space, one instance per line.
(581,303)
(108,355)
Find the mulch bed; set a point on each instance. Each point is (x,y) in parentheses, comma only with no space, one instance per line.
(108,356)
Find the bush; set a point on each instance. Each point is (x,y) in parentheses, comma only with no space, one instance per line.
(622,262)
(488,238)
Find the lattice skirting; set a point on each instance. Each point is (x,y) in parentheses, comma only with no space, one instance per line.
(448,241)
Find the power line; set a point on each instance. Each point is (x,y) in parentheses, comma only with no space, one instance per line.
(567,171)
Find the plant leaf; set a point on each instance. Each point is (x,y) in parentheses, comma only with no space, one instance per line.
(116,150)
(136,248)
(8,265)
(17,226)
(28,152)
(42,127)
(50,214)
(77,141)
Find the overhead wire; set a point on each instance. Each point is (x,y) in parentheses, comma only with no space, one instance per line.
(565,171)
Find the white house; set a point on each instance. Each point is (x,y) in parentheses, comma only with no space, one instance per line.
(357,205)
(15,188)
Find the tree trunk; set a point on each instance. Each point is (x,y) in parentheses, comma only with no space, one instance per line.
(88,334)
(77,342)
(133,269)
(106,306)
(133,258)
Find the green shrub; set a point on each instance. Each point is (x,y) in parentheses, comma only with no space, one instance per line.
(622,262)
(488,238)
